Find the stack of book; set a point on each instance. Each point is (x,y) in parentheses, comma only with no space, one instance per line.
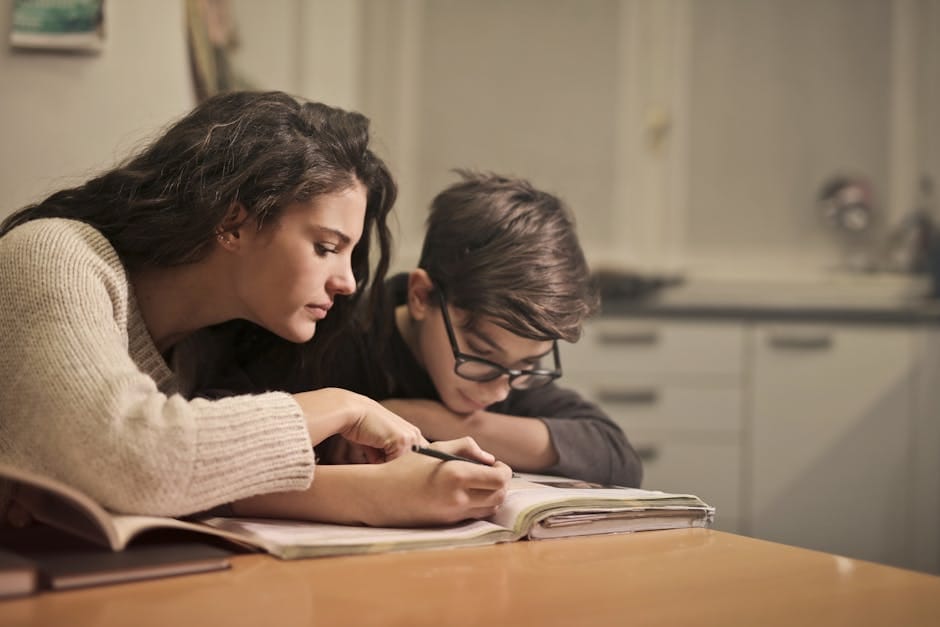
(537,507)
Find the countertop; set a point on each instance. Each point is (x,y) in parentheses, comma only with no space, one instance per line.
(890,299)
(695,577)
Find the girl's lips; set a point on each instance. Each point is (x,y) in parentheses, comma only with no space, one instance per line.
(318,311)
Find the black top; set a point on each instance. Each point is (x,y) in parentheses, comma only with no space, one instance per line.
(590,445)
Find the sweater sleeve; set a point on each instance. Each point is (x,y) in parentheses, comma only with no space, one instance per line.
(589,444)
(77,407)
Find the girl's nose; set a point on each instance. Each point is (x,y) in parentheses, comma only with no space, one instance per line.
(343,281)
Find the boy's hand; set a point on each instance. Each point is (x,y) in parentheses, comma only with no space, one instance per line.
(434,420)
(342,451)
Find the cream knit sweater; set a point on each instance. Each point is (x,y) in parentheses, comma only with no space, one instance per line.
(86,398)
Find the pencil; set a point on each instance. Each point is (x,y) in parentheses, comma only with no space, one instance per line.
(447,457)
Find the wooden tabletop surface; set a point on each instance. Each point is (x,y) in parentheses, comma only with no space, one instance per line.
(689,577)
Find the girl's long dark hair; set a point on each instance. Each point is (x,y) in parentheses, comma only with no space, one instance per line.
(263,150)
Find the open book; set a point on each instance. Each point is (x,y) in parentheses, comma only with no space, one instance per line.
(536,507)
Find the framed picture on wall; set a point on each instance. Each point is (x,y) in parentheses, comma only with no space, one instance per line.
(71,25)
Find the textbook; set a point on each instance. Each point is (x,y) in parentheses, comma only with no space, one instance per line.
(19,576)
(536,507)
(64,561)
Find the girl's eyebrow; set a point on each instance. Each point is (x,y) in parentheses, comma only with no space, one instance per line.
(345,239)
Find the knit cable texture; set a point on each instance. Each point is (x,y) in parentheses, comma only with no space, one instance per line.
(86,397)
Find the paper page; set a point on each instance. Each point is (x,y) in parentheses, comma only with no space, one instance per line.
(530,500)
(581,517)
(604,525)
(128,527)
(290,539)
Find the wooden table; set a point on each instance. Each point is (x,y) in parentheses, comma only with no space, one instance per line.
(689,577)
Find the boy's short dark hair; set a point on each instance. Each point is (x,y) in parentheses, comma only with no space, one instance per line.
(504,250)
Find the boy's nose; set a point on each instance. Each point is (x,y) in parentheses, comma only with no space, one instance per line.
(496,390)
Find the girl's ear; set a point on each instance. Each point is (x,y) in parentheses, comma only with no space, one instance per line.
(420,288)
(229,232)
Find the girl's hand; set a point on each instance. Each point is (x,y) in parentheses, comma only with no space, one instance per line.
(413,490)
(465,447)
(359,419)
(342,451)
(420,490)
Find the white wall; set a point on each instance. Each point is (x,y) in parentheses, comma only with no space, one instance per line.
(784,95)
(686,135)
(310,48)
(565,93)
(66,116)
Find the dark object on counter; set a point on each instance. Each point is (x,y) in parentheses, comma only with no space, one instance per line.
(933,262)
(915,244)
(927,252)
(846,204)
(620,285)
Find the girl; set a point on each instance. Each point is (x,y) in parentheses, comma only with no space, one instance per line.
(254,206)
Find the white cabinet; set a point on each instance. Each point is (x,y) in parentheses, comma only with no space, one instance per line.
(831,438)
(825,436)
(925,487)
(675,389)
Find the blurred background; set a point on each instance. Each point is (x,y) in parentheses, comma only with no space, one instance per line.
(690,136)
(755,179)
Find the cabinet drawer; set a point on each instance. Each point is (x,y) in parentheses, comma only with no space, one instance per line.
(656,347)
(647,402)
(710,468)
(831,439)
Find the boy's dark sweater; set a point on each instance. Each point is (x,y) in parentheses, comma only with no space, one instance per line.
(589,444)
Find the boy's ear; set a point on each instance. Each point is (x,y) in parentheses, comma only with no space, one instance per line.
(420,287)
(233,225)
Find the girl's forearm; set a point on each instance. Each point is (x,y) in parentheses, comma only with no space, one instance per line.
(335,496)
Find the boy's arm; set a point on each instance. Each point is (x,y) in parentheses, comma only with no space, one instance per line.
(548,429)
(590,445)
(521,442)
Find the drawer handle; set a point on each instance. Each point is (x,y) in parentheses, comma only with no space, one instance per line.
(648,396)
(629,338)
(647,453)
(821,341)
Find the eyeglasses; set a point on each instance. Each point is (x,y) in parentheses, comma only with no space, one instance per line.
(483,370)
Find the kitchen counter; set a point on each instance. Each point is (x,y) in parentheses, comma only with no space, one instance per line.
(840,298)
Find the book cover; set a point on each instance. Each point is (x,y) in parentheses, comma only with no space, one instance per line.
(19,576)
(64,561)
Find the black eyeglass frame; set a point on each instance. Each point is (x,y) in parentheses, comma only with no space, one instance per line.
(499,370)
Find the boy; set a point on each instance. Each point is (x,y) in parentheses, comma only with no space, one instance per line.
(467,345)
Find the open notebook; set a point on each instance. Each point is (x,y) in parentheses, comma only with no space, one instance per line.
(537,507)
